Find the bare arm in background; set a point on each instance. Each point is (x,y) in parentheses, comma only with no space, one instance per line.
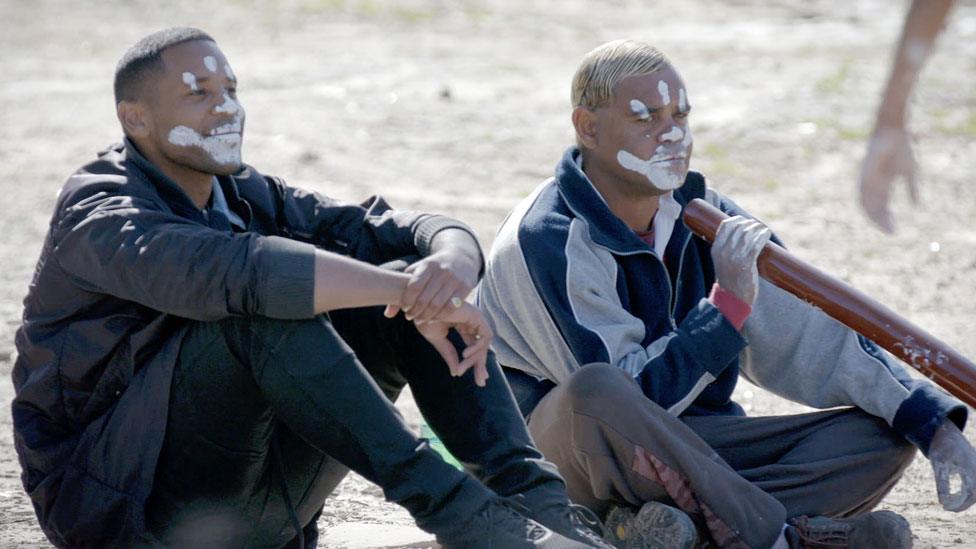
(890,153)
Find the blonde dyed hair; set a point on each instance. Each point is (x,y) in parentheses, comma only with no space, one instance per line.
(603,68)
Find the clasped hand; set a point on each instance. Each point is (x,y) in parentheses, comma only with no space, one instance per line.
(434,300)
(951,454)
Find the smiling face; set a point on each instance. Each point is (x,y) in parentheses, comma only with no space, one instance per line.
(192,120)
(641,140)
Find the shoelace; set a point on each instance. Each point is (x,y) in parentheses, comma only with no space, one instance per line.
(584,517)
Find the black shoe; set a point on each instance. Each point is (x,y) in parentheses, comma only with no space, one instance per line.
(572,521)
(498,525)
(878,529)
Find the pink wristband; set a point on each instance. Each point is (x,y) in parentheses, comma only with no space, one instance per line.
(729,304)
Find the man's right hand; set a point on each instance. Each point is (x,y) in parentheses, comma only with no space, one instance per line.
(737,245)
(474,330)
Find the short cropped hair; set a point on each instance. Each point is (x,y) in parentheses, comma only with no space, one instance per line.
(603,68)
(146,57)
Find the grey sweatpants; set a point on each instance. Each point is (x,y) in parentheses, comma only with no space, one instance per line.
(741,477)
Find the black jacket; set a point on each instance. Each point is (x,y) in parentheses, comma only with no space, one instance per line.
(128,261)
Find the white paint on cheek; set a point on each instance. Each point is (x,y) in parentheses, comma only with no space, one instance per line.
(662,88)
(224,149)
(674,134)
(640,109)
(687,141)
(210,62)
(190,80)
(682,100)
(229,73)
(660,173)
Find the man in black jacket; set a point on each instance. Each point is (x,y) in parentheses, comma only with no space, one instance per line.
(205,351)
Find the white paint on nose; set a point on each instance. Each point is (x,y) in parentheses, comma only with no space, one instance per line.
(211,63)
(674,134)
(662,88)
(229,106)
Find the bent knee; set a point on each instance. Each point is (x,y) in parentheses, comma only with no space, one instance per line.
(598,385)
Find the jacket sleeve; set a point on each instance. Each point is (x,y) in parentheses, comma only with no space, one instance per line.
(129,248)
(577,281)
(800,353)
(371,231)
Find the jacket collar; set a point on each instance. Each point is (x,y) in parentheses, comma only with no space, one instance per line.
(173,194)
(605,228)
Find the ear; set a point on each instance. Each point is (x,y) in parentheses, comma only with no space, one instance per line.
(135,118)
(585,122)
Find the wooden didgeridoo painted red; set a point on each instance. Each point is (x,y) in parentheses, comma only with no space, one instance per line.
(849,306)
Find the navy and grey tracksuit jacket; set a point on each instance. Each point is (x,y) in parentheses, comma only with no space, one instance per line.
(568,283)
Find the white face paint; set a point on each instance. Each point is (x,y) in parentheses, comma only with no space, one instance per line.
(229,73)
(223,145)
(640,109)
(682,100)
(190,80)
(210,62)
(230,106)
(674,134)
(657,169)
(665,169)
(662,88)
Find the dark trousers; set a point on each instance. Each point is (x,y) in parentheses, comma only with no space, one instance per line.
(741,477)
(319,392)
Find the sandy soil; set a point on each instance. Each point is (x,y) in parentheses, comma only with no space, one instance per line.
(461,108)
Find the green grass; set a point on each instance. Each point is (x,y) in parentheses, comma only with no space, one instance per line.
(834,82)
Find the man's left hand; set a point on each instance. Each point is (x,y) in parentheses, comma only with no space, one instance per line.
(951,454)
(438,282)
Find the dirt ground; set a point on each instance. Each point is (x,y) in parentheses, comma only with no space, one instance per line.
(462,108)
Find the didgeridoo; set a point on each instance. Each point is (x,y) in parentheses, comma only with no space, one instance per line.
(849,306)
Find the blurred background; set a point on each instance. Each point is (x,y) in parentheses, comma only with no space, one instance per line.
(462,108)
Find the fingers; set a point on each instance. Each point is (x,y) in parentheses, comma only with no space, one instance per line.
(447,351)
(429,292)
(951,501)
(911,178)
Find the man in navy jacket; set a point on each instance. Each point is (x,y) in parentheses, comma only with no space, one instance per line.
(595,267)
(205,351)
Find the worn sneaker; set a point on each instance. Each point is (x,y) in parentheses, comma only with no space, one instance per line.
(574,522)
(655,525)
(498,525)
(878,529)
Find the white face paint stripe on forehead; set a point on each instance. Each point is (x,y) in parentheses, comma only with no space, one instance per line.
(662,88)
(640,109)
(682,100)
(229,73)
(190,80)
(211,63)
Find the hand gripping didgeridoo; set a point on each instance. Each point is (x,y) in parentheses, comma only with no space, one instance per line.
(913,345)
